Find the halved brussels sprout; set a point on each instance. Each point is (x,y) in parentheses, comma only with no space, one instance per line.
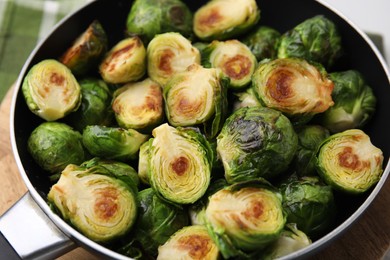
(315,39)
(191,242)
(244,218)
(224,19)
(157,220)
(246,98)
(54,145)
(256,142)
(354,102)
(113,142)
(180,163)
(148,18)
(293,86)
(309,203)
(309,139)
(349,162)
(291,239)
(197,96)
(139,105)
(95,108)
(169,53)
(263,42)
(86,52)
(97,204)
(125,62)
(234,59)
(50,90)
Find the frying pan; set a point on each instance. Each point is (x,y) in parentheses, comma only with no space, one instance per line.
(31,230)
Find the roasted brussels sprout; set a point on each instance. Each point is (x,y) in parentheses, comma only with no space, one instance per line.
(157,220)
(291,239)
(293,86)
(139,105)
(234,59)
(54,145)
(125,62)
(95,108)
(148,18)
(263,42)
(349,162)
(309,203)
(113,142)
(309,139)
(98,204)
(244,218)
(86,52)
(169,53)
(50,90)
(354,100)
(315,39)
(224,19)
(180,163)
(191,242)
(197,96)
(256,142)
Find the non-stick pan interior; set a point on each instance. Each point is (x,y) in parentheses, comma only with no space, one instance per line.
(280,14)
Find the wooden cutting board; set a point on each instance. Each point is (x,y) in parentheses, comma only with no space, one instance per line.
(368,238)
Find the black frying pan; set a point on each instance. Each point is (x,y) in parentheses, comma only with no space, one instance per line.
(280,14)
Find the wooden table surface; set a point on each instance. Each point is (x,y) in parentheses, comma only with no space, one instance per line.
(368,238)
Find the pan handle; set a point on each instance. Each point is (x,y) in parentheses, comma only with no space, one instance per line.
(26,232)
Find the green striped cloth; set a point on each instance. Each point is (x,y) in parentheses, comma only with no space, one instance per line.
(23,23)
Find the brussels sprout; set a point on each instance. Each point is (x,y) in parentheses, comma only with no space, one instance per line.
(234,59)
(244,218)
(169,53)
(225,19)
(148,18)
(54,145)
(263,42)
(315,39)
(256,142)
(354,102)
(291,239)
(125,62)
(180,163)
(309,203)
(349,162)
(139,105)
(157,221)
(97,204)
(197,96)
(50,90)
(309,139)
(246,98)
(120,170)
(95,108)
(113,142)
(143,163)
(293,86)
(191,242)
(86,52)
